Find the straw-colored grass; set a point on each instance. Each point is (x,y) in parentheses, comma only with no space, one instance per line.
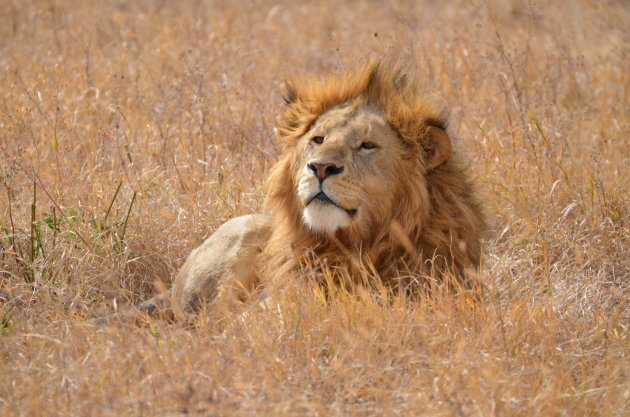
(129,131)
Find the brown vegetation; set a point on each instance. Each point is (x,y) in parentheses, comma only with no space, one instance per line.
(129,131)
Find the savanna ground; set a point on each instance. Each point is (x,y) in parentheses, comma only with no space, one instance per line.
(129,131)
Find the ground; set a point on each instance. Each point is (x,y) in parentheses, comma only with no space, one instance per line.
(129,131)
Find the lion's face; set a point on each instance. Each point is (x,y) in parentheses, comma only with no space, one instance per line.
(347,169)
(369,170)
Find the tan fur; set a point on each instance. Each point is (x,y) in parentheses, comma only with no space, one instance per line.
(225,266)
(400,202)
(422,217)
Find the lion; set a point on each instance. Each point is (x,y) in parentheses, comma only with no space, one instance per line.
(368,181)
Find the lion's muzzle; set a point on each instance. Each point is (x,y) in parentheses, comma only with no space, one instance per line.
(323,198)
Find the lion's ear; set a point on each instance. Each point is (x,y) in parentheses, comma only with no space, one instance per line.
(438,148)
(287,90)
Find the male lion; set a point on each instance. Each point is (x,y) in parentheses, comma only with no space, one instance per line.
(368,181)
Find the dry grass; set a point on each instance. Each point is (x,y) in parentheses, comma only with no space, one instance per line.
(174,103)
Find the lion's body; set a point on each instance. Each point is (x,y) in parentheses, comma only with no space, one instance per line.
(368,181)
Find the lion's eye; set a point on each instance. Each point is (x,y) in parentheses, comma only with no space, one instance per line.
(318,139)
(368,145)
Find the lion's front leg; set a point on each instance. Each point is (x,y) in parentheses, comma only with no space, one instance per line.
(225,267)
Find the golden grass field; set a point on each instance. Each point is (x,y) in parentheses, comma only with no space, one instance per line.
(129,131)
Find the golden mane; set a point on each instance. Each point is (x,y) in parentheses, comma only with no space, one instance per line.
(438,222)
(383,84)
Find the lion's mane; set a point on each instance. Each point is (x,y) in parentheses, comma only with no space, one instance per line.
(437,224)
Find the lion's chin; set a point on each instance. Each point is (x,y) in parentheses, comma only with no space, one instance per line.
(325,218)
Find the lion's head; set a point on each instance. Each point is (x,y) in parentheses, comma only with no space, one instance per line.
(369,167)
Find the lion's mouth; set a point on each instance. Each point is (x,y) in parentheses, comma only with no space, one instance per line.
(323,198)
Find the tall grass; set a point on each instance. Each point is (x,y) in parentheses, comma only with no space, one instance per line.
(130,131)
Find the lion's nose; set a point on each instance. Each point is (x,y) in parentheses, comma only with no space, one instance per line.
(323,171)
